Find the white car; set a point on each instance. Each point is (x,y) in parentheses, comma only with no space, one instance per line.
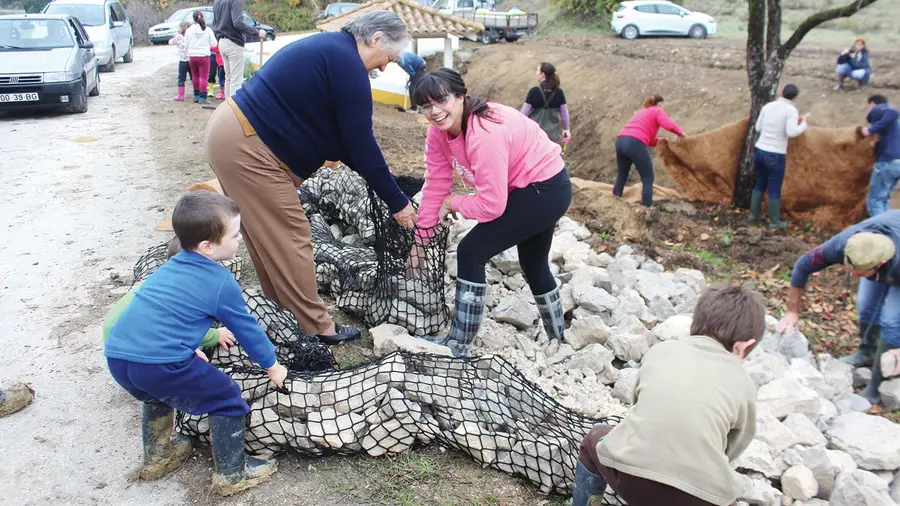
(638,18)
(107,25)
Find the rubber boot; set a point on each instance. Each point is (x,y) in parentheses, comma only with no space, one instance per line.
(552,314)
(196,96)
(180,96)
(203,98)
(587,485)
(775,220)
(15,398)
(868,341)
(235,471)
(220,95)
(163,453)
(210,88)
(468,314)
(871,393)
(756,205)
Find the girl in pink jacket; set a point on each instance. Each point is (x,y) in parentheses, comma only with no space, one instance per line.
(633,142)
(521,189)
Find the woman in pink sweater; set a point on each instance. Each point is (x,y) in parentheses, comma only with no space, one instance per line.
(633,142)
(521,189)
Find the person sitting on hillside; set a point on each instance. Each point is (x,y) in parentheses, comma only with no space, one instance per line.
(546,105)
(854,63)
(634,141)
(656,457)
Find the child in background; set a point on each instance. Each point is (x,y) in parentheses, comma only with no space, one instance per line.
(694,412)
(151,350)
(220,70)
(213,337)
(184,66)
(200,40)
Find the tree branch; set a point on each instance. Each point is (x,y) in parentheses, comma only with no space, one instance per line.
(819,18)
(773,28)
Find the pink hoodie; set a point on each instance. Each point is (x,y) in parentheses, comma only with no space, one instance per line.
(496,156)
(644,125)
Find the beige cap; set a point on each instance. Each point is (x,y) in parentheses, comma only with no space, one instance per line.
(865,250)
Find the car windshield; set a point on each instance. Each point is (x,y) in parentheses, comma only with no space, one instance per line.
(178,16)
(89,15)
(18,34)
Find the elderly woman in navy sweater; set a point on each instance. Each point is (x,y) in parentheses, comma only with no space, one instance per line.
(311,102)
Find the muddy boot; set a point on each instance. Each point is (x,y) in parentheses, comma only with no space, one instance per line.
(871,392)
(163,452)
(587,485)
(756,206)
(551,310)
(468,313)
(15,398)
(775,220)
(180,96)
(868,341)
(235,471)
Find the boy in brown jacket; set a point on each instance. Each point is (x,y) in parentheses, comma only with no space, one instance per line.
(694,412)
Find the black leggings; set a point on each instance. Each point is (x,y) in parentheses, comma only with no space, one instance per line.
(527,223)
(632,151)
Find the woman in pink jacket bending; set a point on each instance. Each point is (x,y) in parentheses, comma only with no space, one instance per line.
(521,190)
(634,141)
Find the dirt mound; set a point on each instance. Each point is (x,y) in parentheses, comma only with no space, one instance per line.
(596,207)
(826,179)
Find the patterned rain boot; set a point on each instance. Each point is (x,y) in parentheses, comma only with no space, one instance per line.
(468,314)
(551,310)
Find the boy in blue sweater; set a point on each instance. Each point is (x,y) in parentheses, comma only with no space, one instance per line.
(152,349)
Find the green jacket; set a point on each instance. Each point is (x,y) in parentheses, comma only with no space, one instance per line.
(210,340)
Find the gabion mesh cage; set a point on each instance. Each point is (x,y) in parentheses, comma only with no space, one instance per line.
(363,256)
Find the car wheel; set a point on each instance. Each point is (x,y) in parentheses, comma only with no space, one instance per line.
(129,56)
(96,91)
(512,38)
(79,100)
(486,37)
(269,36)
(110,66)
(697,32)
(630,32)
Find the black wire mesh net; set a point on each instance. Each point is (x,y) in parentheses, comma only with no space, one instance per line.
(362,254)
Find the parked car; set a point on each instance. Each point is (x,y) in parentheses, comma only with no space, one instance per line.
(161,33)
(336,9)
(106,23)
(46,62)
(638,18)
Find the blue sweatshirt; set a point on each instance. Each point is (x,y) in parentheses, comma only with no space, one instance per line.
(312,102)
(885,121)
(831,252)
(176,305)
(411,63)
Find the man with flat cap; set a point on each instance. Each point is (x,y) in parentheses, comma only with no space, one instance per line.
(868,251)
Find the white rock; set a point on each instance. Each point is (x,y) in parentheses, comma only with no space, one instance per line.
(623,250)
(676,327)
(804,430)
(526,345)
(827,413)
(873,441)
(630,303)
(859,488)
(895,488)
(507,262)
(600,260)
(595,357)
(759,457)
(691,277)
(890,394)
(390,338)
(515,282)
(774,433)
(862,376)
(837,374)
(624,389)
(652,266)
(661,308)
(564,352)
(623,273)
(791,344)
(807,374)
(593,299)
(602,280)
(764,367)
(567,299)
(515,311)
(650,285)
(587,330)
(758,491)
(819,462)
(628,346)
(811,502)
(586,275)
(798,482)
(841,461)
(852,403)
(785,396)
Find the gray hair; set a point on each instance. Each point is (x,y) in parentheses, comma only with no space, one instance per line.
(386,22)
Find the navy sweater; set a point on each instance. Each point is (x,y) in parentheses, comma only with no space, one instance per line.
(831,252)
(885,122)
(176,305)
(312,102)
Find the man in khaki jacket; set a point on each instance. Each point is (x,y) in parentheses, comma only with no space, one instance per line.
(694,412)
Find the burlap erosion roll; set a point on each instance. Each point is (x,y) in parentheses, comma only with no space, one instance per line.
(826,179)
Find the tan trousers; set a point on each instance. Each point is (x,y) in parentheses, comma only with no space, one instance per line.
(273,223)
(233,58)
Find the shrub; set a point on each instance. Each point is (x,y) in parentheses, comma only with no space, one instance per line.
(282,15)
(144,14)
(599,8)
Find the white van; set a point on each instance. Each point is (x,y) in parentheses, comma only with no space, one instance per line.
(107,25)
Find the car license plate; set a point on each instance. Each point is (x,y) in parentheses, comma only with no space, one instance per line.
(19,97)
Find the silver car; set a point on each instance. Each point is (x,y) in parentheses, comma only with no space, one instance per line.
(107,24)
(46,62)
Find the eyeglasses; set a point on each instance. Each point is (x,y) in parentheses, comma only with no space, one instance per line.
(427,108)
